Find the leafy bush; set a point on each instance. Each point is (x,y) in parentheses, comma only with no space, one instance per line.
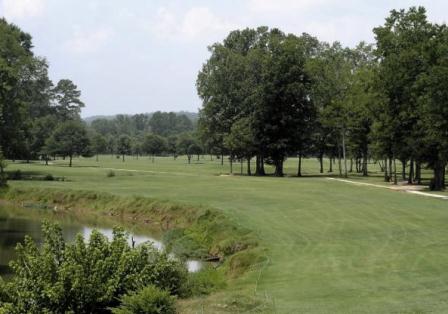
(48,177)
(205,281)
(15,175)
(85,277)
(3,164)
(110,174)
(149,300)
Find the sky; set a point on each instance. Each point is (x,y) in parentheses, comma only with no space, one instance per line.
(144,55)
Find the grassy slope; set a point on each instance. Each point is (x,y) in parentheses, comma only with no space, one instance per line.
(333,247)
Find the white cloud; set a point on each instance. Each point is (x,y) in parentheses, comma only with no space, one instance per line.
(20,9)
(286,5)
(197,22)
(88,42)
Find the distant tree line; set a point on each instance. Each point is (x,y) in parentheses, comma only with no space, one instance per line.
(266,96)
(269,95)
(41,120)
(159,123)
(161,133)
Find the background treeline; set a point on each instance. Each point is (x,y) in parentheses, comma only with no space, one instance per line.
(160,123)
(266,96)
(41,120)
(159,133)
(269,95)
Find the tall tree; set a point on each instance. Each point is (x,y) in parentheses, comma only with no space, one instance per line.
(154,144)
(124,145)
(399,46)
(241,142)
(99,144)
(67,100)
(433,89)
(69,139)
(16,60)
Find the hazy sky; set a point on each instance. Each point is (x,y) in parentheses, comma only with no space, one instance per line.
(143,55)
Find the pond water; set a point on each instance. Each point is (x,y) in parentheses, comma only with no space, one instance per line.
(15,223)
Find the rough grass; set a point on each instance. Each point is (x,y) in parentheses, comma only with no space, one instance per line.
(200,232)
(331,247)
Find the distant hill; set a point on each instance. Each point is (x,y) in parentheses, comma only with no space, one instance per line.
(193,116)
(89,120)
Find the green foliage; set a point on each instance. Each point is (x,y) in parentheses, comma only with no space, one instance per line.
(48,177)
(124,145)
(30,106)
(69,139)
(67,98)
(16,61)
(85,277)
(205,281)
(154,144)
(258,76)
(149,300)
(3,176)
(110,174)
(169,123)
(160,123)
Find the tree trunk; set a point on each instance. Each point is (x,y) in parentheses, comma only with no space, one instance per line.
(340,166)
(343,154)
(365,170)
(390,169)
(395,172)
(189,158)
(231,164)
(351,165)
(241,161)
(222,159)
(438,181)
(279,168)
(321,162)
(299,166)
(331,166)
(403,170)
(152,158)
(259,166)
(70,163)
(248,167)
(386,174)
(123,158)
(198,157)
(418,172)
(411,171)
(96,157)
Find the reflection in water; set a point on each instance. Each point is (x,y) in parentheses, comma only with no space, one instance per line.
(192,265)
(16,223)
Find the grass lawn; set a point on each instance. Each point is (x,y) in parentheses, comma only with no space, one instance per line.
(332,247)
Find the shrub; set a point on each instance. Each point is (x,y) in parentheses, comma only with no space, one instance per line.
(85,277)
(149,300)
(15,175)
(205,281)
(110,174)
(48,177)
(3,177)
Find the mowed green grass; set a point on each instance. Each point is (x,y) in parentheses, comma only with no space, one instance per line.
(332,247)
